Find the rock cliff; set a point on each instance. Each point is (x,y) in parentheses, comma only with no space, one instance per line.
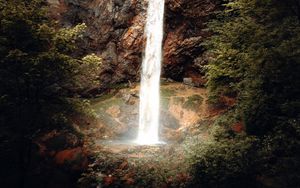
(116,33)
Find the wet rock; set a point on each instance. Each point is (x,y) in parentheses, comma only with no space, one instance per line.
(75,158)
(57,159)
(116,32)
(58,140)
(114,111)
(188,81)
(179,111)
(168,121)
(173,136)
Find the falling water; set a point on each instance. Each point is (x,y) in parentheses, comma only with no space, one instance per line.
(150,77)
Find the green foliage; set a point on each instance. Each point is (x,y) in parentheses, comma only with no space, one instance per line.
(279,154)
(224,163)
(40,80)
(36,66)
(65,38)
(193,102)
(255,56)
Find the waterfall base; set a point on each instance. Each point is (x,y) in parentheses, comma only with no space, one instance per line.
(148,142)
(128,143)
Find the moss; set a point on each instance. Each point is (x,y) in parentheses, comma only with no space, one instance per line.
(118,86)
(165,103)
(104,105)
(167,92)
(102,98)
(178,100)
(193,102)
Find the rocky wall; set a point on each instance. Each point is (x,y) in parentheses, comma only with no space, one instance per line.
(116,33)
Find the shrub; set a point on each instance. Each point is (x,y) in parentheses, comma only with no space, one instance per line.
(224,163)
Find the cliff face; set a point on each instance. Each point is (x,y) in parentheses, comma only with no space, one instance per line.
(116,33)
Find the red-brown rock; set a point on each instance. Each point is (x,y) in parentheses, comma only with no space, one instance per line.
(116,32)
(75,157)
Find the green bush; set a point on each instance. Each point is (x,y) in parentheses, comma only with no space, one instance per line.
(224,163)
(280,153)
(255,56)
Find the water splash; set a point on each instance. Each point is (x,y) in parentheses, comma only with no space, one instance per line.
(150,77)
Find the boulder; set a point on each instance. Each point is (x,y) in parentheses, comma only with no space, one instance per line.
(188,81)
(76,158)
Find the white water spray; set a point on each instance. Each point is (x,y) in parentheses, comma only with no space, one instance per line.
(150,77)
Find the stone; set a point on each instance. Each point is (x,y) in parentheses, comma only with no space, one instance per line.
(75,157)
(188,81)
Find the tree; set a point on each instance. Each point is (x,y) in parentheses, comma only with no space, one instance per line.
(256,57)
(39,78)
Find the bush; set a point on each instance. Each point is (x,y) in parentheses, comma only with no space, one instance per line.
(224,163)
(280,153)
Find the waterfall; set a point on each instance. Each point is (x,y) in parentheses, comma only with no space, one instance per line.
(150,76)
